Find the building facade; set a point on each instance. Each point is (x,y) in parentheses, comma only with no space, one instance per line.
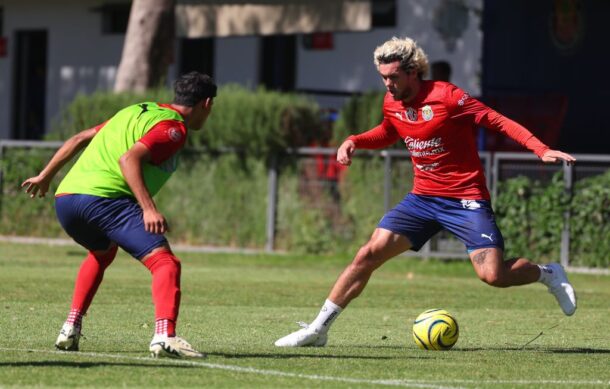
(50,51)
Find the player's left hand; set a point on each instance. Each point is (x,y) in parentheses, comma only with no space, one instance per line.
(554,156)
(36,185)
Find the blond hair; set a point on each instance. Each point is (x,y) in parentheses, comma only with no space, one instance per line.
(406,51)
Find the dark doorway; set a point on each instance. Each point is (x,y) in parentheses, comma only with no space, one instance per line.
(278,62)
(197,55)
(30,84)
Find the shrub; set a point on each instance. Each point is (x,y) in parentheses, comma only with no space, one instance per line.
(359,114)
(530,216)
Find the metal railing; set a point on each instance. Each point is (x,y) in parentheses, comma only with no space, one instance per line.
(497,166)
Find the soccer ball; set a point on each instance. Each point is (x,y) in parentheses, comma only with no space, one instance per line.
(435,329)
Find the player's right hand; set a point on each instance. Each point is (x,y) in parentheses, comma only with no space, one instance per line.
(345,152)
(154,222)
(36,185)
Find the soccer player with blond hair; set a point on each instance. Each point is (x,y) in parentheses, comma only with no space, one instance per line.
(434,119)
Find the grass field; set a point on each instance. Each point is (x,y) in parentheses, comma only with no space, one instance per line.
(235,306)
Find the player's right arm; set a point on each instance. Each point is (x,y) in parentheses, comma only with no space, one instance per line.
(40,184)
(376,138)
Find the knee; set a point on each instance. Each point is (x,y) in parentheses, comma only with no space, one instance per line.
(104,258)
(493,277)
(163,260)
(365,259)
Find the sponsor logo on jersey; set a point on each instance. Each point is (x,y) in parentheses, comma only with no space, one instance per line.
(424,148)
(410,114)
(174,134)
(463,99)
(427,167)
(427,113)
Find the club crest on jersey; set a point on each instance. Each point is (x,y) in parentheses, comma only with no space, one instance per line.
(174,134)
(427,113)
(412,114)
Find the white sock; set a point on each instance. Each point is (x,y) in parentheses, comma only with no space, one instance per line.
(544,274)
(326,317)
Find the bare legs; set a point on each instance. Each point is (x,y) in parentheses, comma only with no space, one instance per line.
(382,246)
(491,268)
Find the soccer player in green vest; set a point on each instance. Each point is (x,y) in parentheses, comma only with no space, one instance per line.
(106,202)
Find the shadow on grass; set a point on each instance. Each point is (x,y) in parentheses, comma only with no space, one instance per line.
(569,350)
(304,355)
(86,365)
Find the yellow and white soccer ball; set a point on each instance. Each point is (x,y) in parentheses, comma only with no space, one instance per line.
(435,329)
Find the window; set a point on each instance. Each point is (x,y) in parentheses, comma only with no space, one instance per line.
(278,62)
(197,55)
(383,13)
(114,18)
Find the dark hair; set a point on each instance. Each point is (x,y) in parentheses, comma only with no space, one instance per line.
(193,87)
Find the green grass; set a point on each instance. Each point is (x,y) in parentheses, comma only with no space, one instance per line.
(235,306)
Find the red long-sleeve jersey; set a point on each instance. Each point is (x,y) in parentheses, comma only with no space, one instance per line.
(438,128)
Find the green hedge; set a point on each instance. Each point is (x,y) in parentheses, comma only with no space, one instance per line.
(221,199)
(530,215)
(590,222)
(253,122)
(359,114)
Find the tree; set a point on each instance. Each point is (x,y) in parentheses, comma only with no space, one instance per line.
(149,45)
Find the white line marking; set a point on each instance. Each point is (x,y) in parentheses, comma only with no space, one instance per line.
(408,383)
(242,369)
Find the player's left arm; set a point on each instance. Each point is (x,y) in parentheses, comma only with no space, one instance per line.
(554,156)
(463,105)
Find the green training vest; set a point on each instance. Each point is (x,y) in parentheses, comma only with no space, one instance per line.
(97,171)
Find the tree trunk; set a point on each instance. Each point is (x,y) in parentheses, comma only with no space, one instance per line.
(149,45)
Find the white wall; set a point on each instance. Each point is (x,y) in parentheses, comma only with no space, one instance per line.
(81,59)
(349,66)
(236,60)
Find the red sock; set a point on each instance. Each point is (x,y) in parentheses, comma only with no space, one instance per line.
(75,317)
(165,327)
(165,269)
(87,281)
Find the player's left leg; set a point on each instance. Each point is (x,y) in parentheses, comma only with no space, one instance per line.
(491,268)
(473,222)
(101,254)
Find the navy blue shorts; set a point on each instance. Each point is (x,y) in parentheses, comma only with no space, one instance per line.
(420,217)
(94,222)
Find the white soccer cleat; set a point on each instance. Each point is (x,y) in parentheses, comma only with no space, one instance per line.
(68,338)
(172,347)
(305,337)
(559,286)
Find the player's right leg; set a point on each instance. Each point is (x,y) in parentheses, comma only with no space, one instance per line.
(383,245)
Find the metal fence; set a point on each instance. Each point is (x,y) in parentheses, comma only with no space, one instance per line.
(498,166)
